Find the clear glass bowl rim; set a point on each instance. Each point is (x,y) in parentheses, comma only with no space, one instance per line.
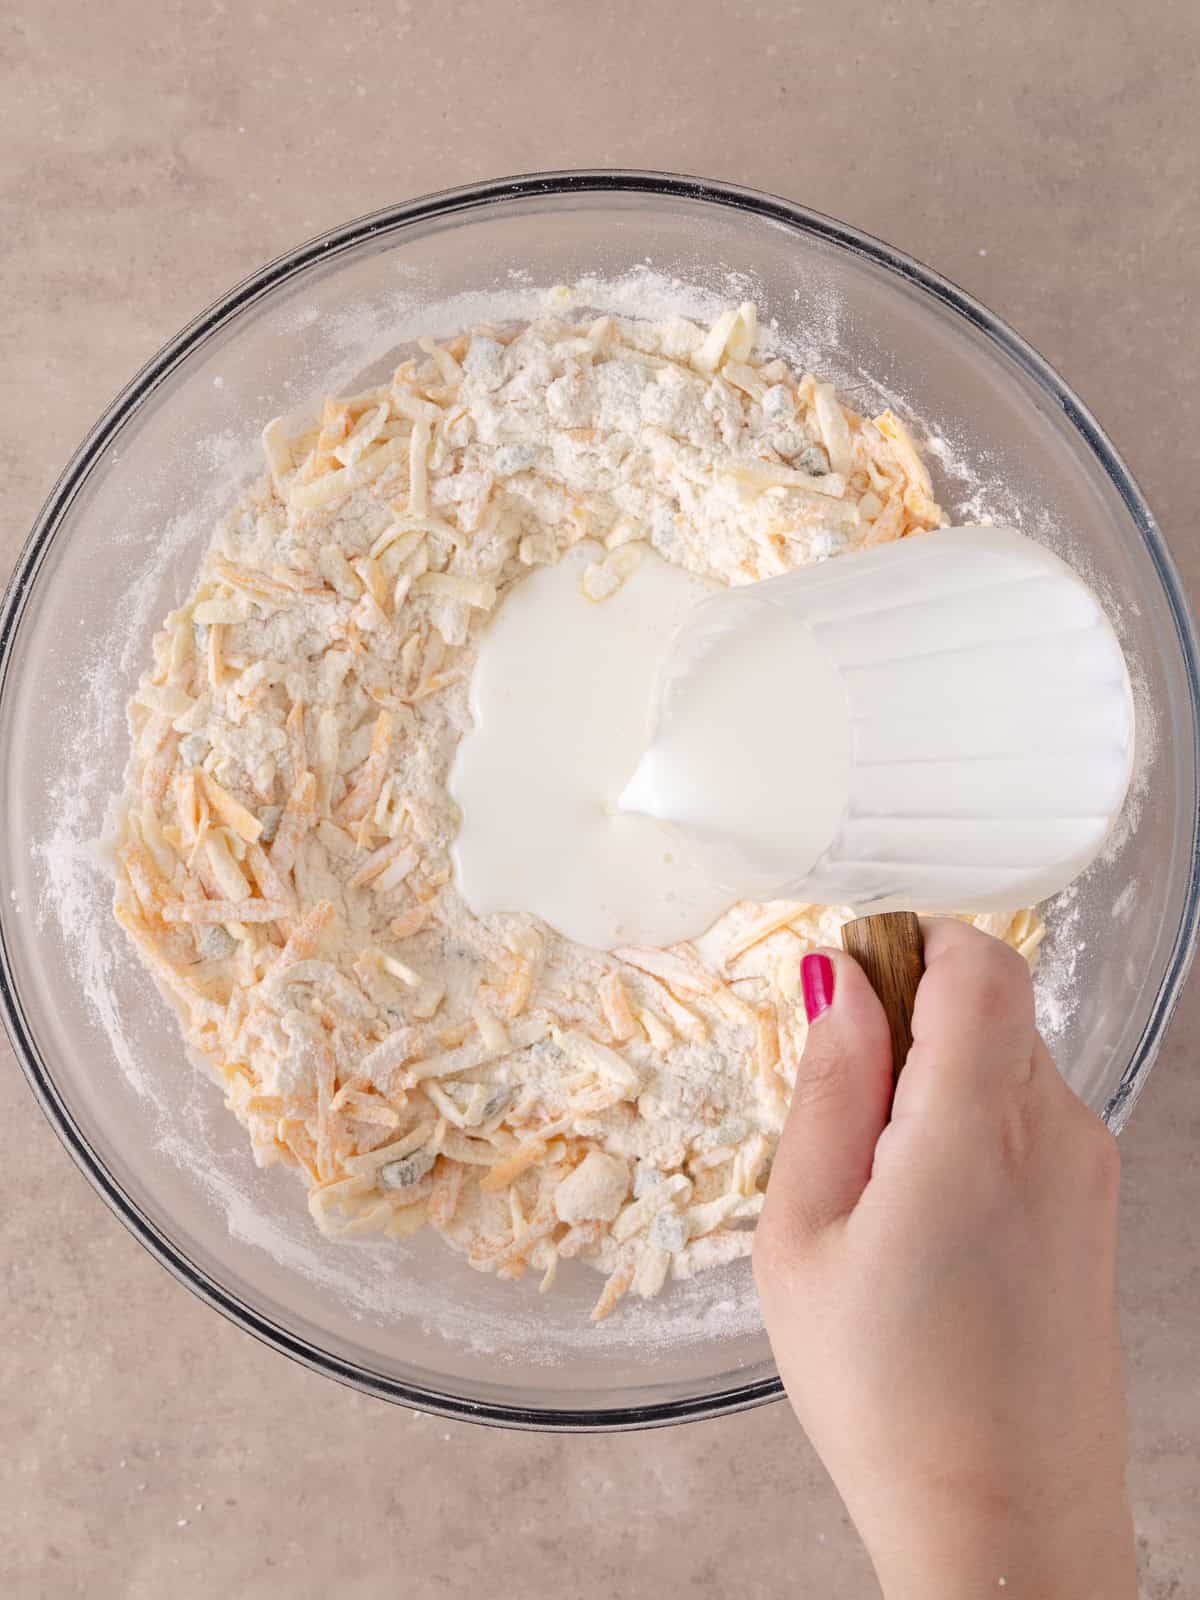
(393,219)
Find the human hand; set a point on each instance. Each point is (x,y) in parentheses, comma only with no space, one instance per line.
(940,1288)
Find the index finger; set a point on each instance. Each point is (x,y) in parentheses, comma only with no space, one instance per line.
(973,1022)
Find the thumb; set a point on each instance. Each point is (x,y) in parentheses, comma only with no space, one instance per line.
(840,1103)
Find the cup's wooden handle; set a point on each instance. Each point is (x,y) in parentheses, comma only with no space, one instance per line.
(891,951)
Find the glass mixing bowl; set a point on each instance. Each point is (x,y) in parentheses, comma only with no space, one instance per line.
(115,548)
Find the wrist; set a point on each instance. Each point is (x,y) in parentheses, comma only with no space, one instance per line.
(947,1552)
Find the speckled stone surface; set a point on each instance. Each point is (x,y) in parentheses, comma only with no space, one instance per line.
(1045,158)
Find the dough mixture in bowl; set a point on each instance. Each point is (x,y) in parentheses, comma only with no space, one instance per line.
(284,848)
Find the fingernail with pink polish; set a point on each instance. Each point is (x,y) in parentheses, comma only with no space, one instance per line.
(816,980)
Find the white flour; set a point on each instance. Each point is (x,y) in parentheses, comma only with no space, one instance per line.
(697,1310)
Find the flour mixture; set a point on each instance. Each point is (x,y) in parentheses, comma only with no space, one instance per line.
(285,849)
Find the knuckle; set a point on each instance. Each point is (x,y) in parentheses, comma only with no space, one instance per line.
(1018,1130)
(819,1077)
(990,996)
(820,1216)
(991,980)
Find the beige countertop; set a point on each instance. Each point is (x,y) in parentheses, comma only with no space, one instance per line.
(1045,158)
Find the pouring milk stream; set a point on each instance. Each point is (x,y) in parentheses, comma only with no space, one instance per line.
(940,724)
